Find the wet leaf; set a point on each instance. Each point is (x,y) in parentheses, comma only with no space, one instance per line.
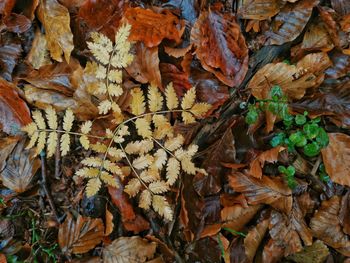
(220,46)
(268,190)
(6,146)
(80,235)
(254,237)
(20,168)
(341,6)
(260,9)
(151,27)
(316,253)
(56,20)
(341,65)
(336,158)
(14,112)
(290,22)
(128,250)
(10,52)
(317,38)
(325,225)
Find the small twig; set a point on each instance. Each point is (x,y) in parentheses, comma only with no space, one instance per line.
(45,188)
(58,159)
(316,165)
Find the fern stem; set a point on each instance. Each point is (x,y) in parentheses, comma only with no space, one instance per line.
(72,133)
(107,73)
(151,113)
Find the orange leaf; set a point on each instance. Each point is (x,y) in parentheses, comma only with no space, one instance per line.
(80,236)
(14,112)
(221,47)
(317,38)
(336,158)
(254,237)
(151,27)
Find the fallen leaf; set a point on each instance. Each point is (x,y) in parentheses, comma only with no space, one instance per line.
(80,235)
(220,46)
(10,52)
(336,158)
(179,79)
(20,168)
(14,112)
(272,252)
(199,252)
(316,38)
(290,22)
(268,190)
(344,213)
(17,23)
(316,253)
(39,55)
(342,7)
(145,66)
(260,9)
(7,144)
(325,225)
(237,216)
(341,65)
(129,250)
(269,156)
(56,20)
(254,237)
(109,223)
(151,27)
(188,9)
(328,16)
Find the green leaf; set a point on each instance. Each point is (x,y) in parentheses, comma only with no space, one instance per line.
(274,107)
(300,119)
(252,116)
(311,149)
(278,139)
(311,130)
(322,138)
(234,232)
(298,139)
(276,91)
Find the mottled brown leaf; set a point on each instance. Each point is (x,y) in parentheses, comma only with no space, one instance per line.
(290,22)
(260,9)
(237,216)
(14,112)
(325,225)
(344,213)
(220,46)
(254,237)
(341,65)
(129,250)
(10,51)
(316,253)
(151,28)
(317,38)
(80,235)
(7,144)
(336,158)
(342,7)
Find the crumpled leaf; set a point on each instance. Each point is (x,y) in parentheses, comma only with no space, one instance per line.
(260,9)
(56,20)
(14,112)
(317,38)
(220,46)
(20,168)
(290,22)
(145,66)
(292,80)
(316,253)
(7,144)
(129,250)
(39,55)
(151,27)
(342,7)
(336,158)
(80,235)
(268,190)
(254,237)
(325,225)
(341,65)
(10,52)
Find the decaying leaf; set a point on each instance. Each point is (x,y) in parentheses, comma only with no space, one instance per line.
(336,158)
(254,237)
(316,253)
(56,20)
(267,190)
(129,250)
(220,46)
(260,9)
(80,235)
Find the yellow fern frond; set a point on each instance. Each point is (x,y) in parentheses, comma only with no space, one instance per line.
(33,139)
(150,175)
(199,109)
(88,172)
(172,102)
(162,207)
(115,90)
(115,76)
(137,102)
(104,107)
(172,170)
(188,118)
(192,150)
(188,99)
(143,127)
(65,144)
(68,120)
(142,162)
(100,89)
(133,187)
(84,141)
(188,166)
(117,154)
(160,158)
(93,186)
(92,161)
(158,187)
(51,117)
(122,56)
(121,133)
(101,47)
(51,143)
(112,167)
(41,142)
(155,99)
(174,143)
(86,127)
(98,147)
(145,199)
(101,72)
(39,120)
(109,179)
(30,128)
(139,147)
(163,127)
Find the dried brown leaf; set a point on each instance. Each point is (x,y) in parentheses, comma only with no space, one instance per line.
(316,253)
(254,237)
(260,9)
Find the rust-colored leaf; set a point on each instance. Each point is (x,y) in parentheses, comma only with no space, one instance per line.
(145,66)
(109,223)
(336,158)
(273,252)
(20,168)
(260,9)
(151,28)
(220,46)
(254,237)
(237,216)
(317,38)
(129,249)
(342,7)
(325,225)
(56,20)
(14,112)
(6,146)
(269,156)
(80,235)
(290,22)
(328,16)
(267,190)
